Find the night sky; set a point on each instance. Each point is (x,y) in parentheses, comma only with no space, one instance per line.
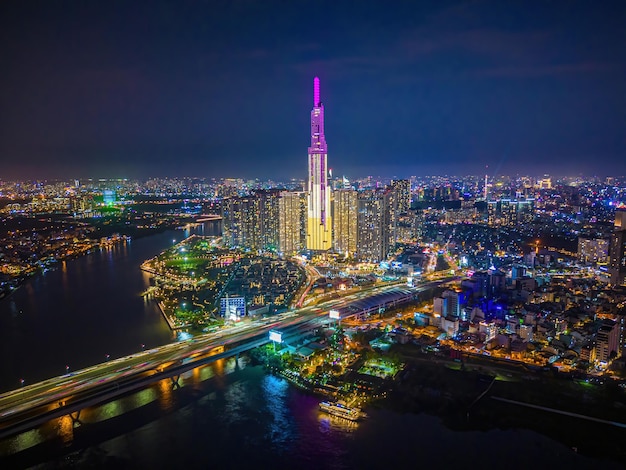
(224,88)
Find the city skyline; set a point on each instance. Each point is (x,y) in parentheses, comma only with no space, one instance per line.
(415,89)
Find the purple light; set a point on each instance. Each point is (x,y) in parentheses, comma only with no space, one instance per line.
(316,92)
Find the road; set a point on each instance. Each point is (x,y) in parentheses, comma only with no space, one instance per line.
(40,398)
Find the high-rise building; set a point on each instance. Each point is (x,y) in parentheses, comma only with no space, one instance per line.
(525,210)
(345,221)
(607,341)
(508,212)
(617,261)
(372,239)
(492,212)
(403,198)
(398,206)
(319,223)
(291,218)
(240,219)
(269,206)
(252,221)
(593,250)
(452,306)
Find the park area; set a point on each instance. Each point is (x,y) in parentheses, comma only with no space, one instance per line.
(380,367)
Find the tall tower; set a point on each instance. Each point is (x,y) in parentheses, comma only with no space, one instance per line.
(319,224)
(617,249)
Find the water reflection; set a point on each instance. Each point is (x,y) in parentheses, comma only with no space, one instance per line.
(275,393)
(329,423)
(86,308)
(22,442)
(166,399)
(249,419)
(65,429)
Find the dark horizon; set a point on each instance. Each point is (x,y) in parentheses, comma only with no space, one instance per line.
(223,89)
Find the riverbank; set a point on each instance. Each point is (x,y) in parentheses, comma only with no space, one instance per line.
(85,310)
(573,414)
(169,321)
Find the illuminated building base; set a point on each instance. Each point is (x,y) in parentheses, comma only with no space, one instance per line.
(318,235)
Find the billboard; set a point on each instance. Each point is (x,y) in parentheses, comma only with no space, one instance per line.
(334,314)
(276,336)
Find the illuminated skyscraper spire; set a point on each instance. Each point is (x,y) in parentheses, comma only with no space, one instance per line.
(318,220)
(316,92)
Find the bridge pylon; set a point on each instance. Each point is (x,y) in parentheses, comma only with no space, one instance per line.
(175,383)
(75,419)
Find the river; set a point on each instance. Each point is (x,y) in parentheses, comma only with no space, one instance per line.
(233,415)
(82,311)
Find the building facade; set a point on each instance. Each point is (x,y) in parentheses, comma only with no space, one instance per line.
(593,250)
(252,221)
(319,223)
(617,261)
(345,205)
(291,218)
(372,238)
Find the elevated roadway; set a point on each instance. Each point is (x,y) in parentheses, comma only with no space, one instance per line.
(27,407)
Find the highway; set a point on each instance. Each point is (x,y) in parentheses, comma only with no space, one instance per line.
(29,406)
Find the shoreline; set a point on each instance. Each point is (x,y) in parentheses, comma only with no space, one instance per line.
(172,326)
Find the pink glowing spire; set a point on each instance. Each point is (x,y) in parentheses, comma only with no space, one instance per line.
(316,92)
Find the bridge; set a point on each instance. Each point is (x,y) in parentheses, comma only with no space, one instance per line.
(208,218)
(30,406)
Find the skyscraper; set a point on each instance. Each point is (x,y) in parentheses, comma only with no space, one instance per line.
(617,249)
(372,235)
(291,217)
(403,198)
(345,221)
(252,221)
(319,223)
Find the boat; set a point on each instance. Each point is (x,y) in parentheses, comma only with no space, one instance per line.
(343,411)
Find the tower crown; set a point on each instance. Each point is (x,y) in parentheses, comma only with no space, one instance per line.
(316,92)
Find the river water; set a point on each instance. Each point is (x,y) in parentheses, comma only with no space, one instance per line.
(233,415)
(226,415)
(81,312)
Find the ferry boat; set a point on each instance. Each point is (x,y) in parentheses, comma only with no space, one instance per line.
(343,411)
